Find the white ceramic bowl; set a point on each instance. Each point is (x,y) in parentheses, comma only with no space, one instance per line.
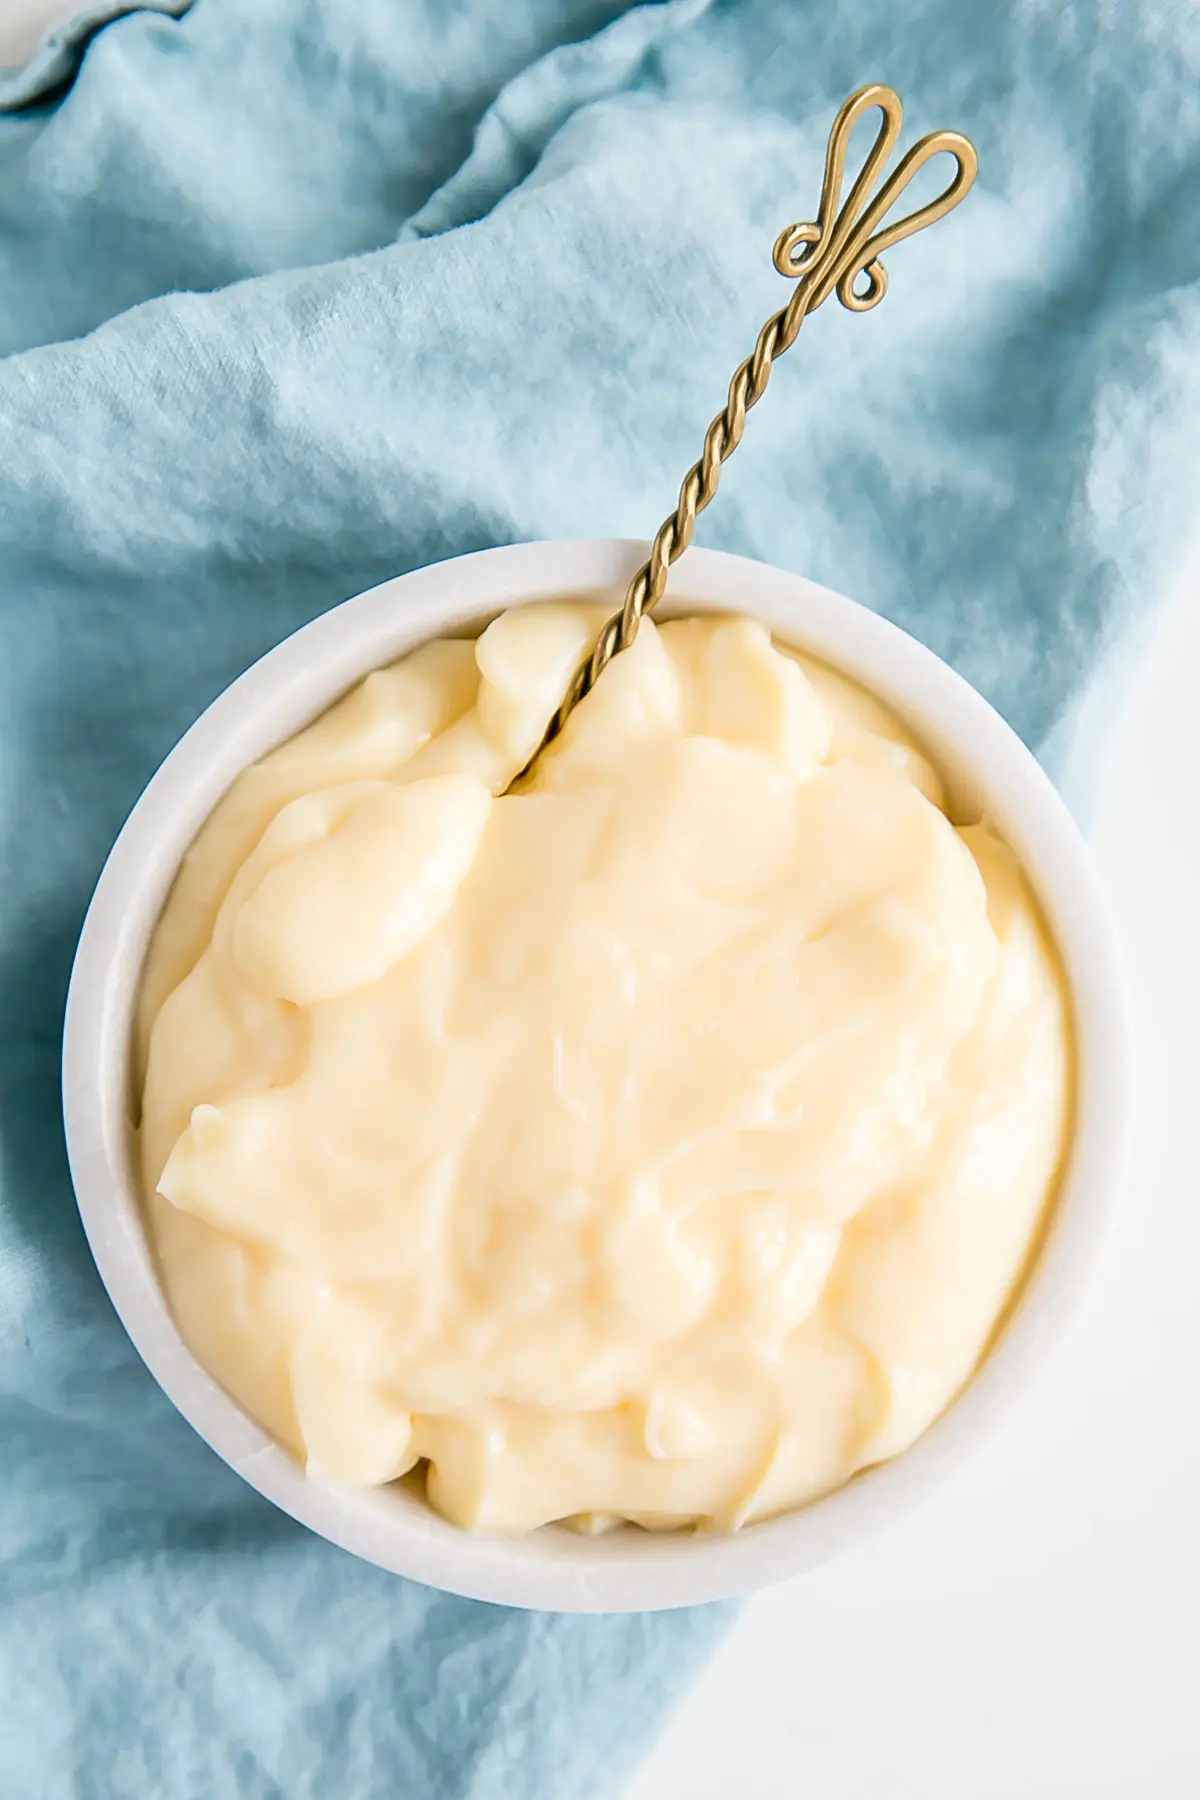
(986,766)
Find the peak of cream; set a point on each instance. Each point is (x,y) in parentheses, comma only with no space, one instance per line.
(661,1140)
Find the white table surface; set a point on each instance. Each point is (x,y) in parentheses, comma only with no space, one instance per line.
(22,23)
(1033,1634)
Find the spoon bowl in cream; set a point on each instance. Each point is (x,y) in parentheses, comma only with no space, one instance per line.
(987,771)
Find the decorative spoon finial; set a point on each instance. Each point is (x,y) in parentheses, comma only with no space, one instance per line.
(823,257)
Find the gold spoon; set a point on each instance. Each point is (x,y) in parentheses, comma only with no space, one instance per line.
(823,257)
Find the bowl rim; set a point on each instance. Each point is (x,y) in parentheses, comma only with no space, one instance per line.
(554,1569)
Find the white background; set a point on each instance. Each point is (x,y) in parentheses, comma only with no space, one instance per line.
(22,23)
(1035,1633)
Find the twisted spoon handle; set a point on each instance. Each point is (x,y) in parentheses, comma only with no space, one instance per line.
(830,254)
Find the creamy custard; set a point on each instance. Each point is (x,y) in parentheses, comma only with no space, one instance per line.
(661,1140)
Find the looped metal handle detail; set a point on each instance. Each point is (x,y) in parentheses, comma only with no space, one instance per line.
(837,250)
(826,256)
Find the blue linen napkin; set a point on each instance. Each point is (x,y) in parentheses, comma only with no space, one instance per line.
(296,294)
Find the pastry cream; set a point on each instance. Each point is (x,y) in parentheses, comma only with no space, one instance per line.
(661,1140)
